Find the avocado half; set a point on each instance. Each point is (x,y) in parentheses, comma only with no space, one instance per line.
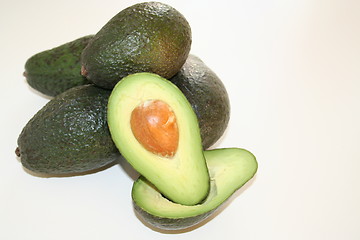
(157,132)
(230,169)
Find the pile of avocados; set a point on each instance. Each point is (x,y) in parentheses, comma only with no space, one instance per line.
(134,91)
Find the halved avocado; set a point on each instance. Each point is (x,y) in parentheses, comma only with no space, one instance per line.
(230,169)
(156,130)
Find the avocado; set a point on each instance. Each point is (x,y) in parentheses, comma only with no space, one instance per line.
(53,71)
(230,169)
(208,97)
(157,132)
(145,37)
(69,135)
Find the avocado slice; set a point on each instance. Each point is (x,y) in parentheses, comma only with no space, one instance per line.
(145,37)
(69,135)
(56,70)
(230,169)
(207,95)
(157,132)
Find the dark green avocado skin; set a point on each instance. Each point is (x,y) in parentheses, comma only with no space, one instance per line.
(145,37)
(171,223)
(207,96)
(53,71)
(69,135)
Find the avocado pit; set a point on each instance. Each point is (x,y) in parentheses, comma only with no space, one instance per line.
(154,125)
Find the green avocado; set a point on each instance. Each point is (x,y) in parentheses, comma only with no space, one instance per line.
(208,97)
(145,37)
(157,132)
(53,71)
(69,135)
(230,169)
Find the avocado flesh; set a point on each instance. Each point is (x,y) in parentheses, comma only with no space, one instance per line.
(183,178)
(56,70)
(145,37)
(230,169)
(69,135)
(207,95)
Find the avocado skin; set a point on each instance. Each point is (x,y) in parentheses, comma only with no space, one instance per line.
(171,223)
(69,135)
(53,71)
(145,37)
(207,96)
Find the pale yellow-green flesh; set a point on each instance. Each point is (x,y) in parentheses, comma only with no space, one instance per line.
(229,169)
(182,178)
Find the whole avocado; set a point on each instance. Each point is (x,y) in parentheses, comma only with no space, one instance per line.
(53,71)
(69,135)
(207,96)
(145,37)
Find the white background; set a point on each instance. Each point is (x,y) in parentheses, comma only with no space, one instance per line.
(292,71)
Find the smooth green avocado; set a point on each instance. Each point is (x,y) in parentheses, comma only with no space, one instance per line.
(207,95)
(145,37)
(56,70)
(230,169)
(69,135)
(157,132)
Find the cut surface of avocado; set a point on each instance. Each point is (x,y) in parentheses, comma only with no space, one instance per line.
(230,169)
(156,130)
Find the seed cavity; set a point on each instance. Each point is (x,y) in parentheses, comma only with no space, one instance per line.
(154,125)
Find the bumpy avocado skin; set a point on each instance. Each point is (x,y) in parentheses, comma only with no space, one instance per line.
(53,71)
(208,97)
(146,37)
(69,134)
